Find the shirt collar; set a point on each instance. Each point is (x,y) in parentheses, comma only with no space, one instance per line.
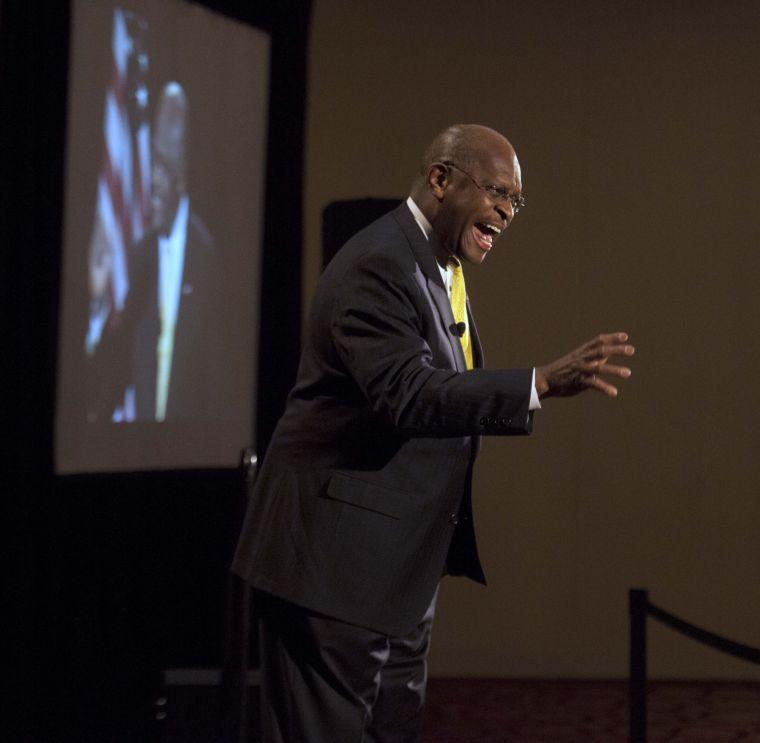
(427,230)
(180,221)
(420,218)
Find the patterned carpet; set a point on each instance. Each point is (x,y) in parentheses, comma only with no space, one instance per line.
(505,711)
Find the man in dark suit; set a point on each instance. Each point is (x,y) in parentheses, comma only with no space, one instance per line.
(158,358)
(364,499)
(191,380)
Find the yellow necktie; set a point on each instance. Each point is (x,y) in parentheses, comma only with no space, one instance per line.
(459,308)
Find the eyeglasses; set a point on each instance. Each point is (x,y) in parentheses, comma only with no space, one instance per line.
(495,193)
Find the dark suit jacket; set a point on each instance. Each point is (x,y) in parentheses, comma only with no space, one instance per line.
(364,495)
(127,352)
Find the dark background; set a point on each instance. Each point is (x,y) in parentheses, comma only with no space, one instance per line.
(636,124)
(111,578)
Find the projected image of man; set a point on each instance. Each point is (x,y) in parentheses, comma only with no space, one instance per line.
(162,351)
(170,204)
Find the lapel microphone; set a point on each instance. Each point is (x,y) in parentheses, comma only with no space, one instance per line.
(457,329)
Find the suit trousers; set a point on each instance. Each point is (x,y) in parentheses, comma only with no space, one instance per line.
(325,681)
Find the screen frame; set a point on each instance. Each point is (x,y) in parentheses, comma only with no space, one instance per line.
(212,395)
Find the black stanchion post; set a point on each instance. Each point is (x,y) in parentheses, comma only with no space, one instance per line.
(638,600)
(234,681)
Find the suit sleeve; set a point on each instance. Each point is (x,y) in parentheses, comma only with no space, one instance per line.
(378,333)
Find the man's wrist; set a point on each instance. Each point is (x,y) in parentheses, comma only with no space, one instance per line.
(542,383)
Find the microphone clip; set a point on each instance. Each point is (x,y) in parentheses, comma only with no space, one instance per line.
(458,329)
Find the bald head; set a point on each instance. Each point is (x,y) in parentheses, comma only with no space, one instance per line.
(464,144)
(468,186)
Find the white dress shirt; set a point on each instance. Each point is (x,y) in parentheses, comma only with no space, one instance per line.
(171,262)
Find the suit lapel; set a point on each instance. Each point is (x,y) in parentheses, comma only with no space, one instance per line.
(446,315)
(478,358)
(424,253)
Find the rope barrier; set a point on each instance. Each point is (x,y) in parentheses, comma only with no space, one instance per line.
(640,608)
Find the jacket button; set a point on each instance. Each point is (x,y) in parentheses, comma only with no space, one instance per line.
(453,519)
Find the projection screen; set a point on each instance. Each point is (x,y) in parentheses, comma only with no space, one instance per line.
(163,210)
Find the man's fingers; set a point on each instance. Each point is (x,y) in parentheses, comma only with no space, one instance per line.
(618,371)
(601,385)
(606,339)
(618,349)
(600,366)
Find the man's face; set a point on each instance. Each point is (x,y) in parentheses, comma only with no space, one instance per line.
(470,217)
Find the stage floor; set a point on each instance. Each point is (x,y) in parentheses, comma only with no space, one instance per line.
(507,711)
(530,711)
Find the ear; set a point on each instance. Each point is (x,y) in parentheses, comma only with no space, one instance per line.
(438,179)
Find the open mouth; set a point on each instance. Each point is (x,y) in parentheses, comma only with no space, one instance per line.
(485,233)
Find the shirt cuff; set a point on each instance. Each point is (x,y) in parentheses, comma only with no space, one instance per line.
(535,404)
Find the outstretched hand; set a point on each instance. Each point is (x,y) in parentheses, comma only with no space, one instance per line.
(582,369)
